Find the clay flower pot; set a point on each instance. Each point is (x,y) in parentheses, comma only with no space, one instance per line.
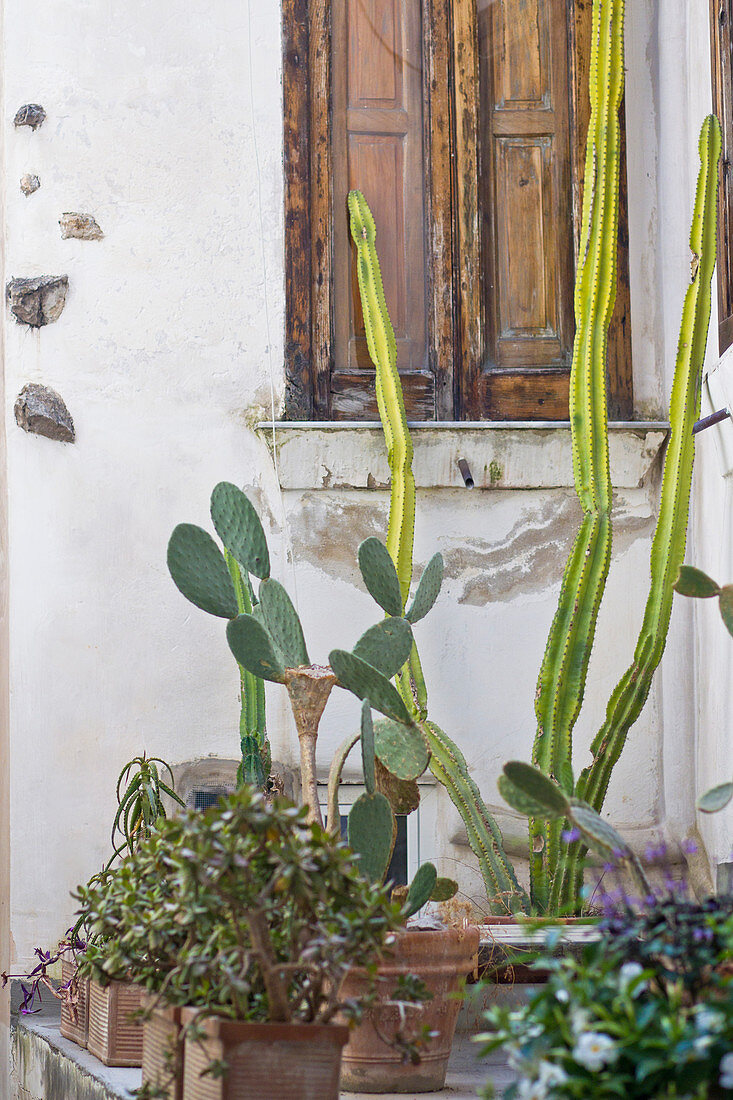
(115,1038)
(75,1015)
(163,1048)
(277,1061)
(442,958)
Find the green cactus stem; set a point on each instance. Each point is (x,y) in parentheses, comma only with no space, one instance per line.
(449,767)
(668,544)
(563,673)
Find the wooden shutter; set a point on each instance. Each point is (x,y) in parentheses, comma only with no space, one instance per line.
(721,14)
(378,148)
(526,207)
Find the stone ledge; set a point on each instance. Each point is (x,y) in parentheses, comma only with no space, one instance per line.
(48,1067)
(500,454)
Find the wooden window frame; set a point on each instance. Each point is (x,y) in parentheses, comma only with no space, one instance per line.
(455,301)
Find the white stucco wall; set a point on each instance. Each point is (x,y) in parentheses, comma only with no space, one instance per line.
(164,122)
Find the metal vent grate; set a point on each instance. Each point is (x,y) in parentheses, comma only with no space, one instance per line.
(201,798)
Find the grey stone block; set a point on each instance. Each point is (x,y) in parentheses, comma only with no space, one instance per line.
(41,410)
(37,301)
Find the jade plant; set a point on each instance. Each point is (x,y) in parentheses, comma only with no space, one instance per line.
(556,870)
(269,643)
(230,593)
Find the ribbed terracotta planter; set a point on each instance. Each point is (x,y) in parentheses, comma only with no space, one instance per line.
(115,1038)
(442,959)
(75,1018)
(163,1049)
(266,1061)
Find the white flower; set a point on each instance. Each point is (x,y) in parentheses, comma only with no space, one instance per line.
(562,996)
(708,1019)
(701,1043)
(726,1071)
(628,973)
(580,1019)
(551,1075)
(532,1090)
(595,1050)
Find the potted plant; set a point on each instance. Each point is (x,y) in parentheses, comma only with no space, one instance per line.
(644,1012)
(112,1030)
(249,916)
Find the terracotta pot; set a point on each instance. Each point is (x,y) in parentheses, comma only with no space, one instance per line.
(442,959)
(272,1061)
(75,1017)
(115,1038)
(163,1049)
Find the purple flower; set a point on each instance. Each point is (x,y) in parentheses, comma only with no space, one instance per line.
(689,847)
(569,835)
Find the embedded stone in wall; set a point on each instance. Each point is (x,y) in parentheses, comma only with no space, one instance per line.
(82,226)
(41,410)
(29,184)
(37,301)
(30,114)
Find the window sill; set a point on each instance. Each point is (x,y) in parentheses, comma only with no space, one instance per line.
(499,454)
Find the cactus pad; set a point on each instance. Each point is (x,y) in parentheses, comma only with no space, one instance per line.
(386,646)
(200,572)
(282,623)
(522,802)
(601,834)
(370,834)
(444,889)
(693,582)
(402,749)
(538,786)
(380,575)
(366,683)
(428,589)
(253,647)
(403,794)
(238,526)
(367,747)
(717,798)
(726,606)
(420,889)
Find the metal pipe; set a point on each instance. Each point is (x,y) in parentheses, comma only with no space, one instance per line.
(465,473)
(708,421)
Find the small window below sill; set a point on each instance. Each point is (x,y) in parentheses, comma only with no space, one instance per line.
(499,454)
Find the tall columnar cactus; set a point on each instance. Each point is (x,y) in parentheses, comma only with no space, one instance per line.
(446,760)
(564,667)
(390,402)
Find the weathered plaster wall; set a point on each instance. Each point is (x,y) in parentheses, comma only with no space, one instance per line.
(164,124)
(163,121)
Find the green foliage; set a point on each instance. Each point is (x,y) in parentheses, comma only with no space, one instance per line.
(211,908)
(283,624)
(717,798)
(367,748)
(370,831)
(214,582)
(365,682)
(538,787)
(420,890)
(140,806)
(200,572)
(380,575)
(386,646)
(402,749)
(254,649)
(645,1012)
(428,589)
(239,528)
(444,889)
(693,582)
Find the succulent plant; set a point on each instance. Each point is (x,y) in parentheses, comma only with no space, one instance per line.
(219,582)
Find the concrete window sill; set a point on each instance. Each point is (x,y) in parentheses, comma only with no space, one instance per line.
(499,454)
